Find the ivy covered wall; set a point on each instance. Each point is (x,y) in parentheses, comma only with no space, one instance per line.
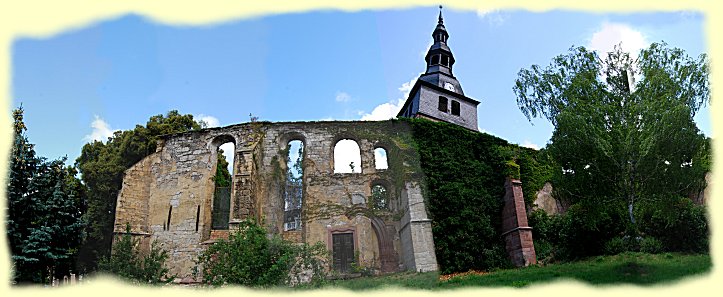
(465,174)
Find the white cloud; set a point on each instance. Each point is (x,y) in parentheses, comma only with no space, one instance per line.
(529,144)
(493,16)
(384,111)
(101,130)
(407,87)
(390,109)
(612,34)
(209,120)
(342,97)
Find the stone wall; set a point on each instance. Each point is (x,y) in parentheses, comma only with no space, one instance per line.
(132,206)
(702,197)
(546,202)
(169,194)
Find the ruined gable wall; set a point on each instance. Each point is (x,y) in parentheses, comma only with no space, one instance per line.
(132,205)
(323,187)
(179,178)
(177,182)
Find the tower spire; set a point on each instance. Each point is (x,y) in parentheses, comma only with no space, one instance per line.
(440,21)
(439,57)
(440,33)
(437,94)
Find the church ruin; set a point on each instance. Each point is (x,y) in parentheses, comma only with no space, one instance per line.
(375,212)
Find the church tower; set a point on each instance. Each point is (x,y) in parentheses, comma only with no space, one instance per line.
(437,95)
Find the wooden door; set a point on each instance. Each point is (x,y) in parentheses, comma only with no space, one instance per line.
(343,251)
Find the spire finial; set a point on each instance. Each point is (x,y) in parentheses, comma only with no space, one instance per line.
(440,15)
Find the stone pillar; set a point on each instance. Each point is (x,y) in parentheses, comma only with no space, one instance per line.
(416,232)
(516,232)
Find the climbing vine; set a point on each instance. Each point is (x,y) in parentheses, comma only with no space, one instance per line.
(465,174)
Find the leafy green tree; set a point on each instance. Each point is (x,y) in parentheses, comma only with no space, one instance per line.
(223,177)
(45,207)
(621,141)
(102,165)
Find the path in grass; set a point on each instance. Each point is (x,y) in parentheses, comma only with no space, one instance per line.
(627,268)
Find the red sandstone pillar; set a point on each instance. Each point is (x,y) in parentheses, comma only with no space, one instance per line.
(515,230)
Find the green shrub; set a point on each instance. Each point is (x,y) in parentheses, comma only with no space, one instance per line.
(544,227)
(616,246)
(584,231)
(545,234)
(651,245)
(128,262)
(250,258)
(679,224)
(544,250)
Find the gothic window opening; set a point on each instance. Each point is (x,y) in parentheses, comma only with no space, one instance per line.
(442,104)
(380,197)
(294,187)
(221,210)
(455,107)
(380,159)
(347,157)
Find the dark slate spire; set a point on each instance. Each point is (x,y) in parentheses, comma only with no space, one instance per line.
(440,33)
(440,59)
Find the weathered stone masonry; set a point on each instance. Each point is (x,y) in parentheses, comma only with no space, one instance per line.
(167,197)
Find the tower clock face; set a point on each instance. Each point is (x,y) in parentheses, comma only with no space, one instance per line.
(449,86)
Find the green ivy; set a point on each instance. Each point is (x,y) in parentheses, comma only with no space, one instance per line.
(465,173)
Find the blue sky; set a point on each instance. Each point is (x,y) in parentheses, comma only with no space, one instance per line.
(324,65)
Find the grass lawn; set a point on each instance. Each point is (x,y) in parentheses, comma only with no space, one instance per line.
(628,268)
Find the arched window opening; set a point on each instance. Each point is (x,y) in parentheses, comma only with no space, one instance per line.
(380,158)
(223,180)
(435,59)
(445,60)
(294,188)
(442,104)
(455,107)
(380,197)
(347,157)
